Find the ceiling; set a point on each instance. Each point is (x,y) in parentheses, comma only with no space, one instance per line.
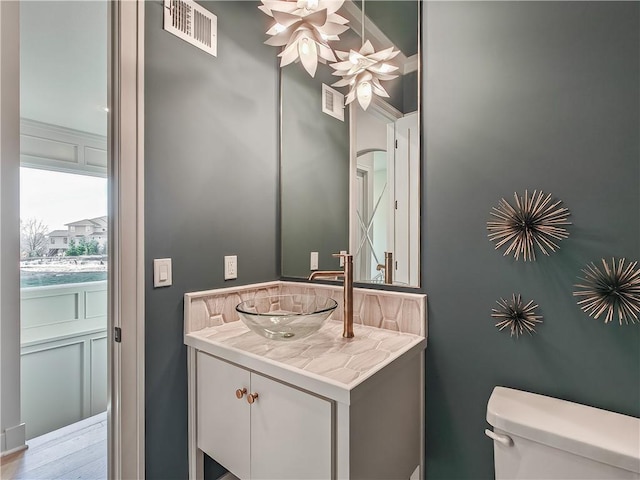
(63,63)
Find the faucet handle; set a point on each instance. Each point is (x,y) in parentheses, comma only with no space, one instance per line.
(345,258)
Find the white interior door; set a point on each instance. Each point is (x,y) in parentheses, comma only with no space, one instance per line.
(407,197)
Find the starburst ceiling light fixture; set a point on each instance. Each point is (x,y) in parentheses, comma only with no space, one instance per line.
(363,70)
(516,315)
(532,222)
(615,290)
(304,28)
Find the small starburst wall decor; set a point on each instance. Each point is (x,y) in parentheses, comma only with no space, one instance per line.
(613,290)
(534,222)
(516,315)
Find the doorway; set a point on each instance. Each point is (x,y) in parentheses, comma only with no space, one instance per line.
(63,223)
(125,387)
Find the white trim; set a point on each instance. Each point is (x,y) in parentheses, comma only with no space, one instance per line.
(14,440)
(12,436)
(42,146)
(412,64)
(126,229)
(6,453)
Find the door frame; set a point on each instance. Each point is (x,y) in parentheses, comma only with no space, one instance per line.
(126,442)
(12,431)
(125,410)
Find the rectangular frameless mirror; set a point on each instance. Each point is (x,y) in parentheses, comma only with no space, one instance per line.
(350,178)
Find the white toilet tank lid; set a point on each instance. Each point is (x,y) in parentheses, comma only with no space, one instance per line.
(600,435)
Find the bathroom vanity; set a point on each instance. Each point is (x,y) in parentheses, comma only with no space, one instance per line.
(319,407)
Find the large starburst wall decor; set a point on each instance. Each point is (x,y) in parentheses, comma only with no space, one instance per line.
(516,315)
(614,291)
(303,28)
(532,222)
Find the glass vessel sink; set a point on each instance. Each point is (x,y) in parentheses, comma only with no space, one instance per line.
(286,317)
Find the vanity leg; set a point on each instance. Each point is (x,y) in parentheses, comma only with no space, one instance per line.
(196,457)
(341,450)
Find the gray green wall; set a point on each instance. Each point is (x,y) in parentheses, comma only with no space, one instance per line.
(525,95)
(211,157)
(516,95)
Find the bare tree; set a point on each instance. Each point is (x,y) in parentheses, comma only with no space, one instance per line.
(33,238)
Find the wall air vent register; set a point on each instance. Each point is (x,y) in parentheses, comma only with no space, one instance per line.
(192,23)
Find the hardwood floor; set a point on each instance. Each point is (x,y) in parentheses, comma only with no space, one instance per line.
(77,451)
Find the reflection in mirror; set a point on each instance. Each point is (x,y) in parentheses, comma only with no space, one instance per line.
(349,177)
(385,198)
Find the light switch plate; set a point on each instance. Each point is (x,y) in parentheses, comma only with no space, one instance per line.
(162,275)
(230,267)
(342,252)
(313,264)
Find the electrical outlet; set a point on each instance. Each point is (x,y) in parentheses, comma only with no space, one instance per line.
(230,267)
(314,261)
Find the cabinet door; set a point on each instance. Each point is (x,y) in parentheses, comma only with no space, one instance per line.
(223,419)
(290,433)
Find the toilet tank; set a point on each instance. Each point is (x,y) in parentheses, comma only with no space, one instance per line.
(540,437)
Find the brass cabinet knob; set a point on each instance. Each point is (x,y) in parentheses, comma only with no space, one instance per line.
(240,392)
(252,397)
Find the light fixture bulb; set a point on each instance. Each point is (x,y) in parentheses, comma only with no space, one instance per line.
(364,90)
(304,46)
(364,94)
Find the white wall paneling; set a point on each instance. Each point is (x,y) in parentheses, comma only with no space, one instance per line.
(62,149)
(63,381)
(63,355)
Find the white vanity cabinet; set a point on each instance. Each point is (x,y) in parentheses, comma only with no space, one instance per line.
(327,407)
(284,433)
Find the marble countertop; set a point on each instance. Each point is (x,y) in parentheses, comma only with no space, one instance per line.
(323,363)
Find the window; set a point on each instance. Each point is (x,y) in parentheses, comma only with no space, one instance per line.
(53,240)
(64,240)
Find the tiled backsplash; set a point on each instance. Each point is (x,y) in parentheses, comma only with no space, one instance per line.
(397,311)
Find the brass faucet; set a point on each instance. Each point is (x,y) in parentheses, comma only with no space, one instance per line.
(387,267)
(347,274)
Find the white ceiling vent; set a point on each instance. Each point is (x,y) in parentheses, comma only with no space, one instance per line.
(192,23)
(332,102)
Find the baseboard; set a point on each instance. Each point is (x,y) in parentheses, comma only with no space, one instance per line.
(8,453)
(13,440)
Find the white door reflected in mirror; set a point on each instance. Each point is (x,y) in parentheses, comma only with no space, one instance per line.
(386,193)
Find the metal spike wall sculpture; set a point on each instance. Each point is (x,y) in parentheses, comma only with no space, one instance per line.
(533,222)
(516,315)
(614,290)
